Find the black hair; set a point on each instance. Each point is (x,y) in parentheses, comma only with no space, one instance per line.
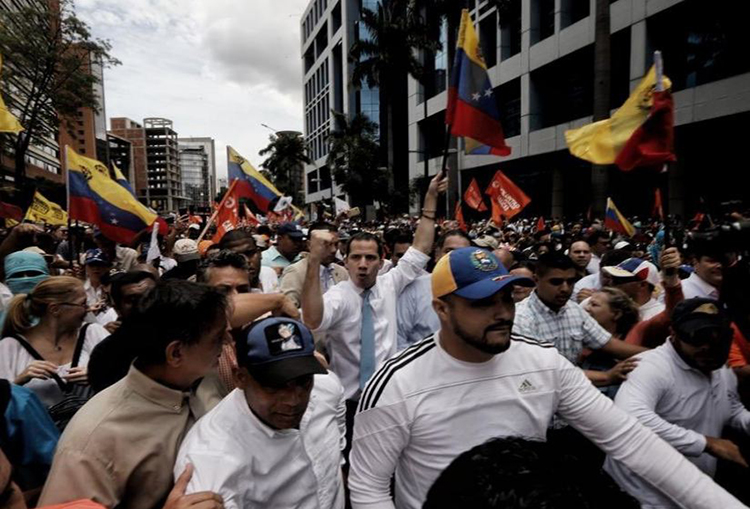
(614,257)
(322,226)
(234,237)
(365,237)
(120,281)
(448,234)
(224,258)
(516,473)
(264,229)
(174,310)
(403,237)
(594,237)
(553,260)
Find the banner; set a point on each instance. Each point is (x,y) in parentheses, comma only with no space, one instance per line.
(42,210)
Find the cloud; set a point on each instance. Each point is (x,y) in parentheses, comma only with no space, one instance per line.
(216,68)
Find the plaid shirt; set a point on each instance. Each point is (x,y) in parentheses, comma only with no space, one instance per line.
(570,329)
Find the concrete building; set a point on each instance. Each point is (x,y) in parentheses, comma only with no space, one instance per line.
(540,56)
(198,167)
(133,150)
(121,155)
(328,30)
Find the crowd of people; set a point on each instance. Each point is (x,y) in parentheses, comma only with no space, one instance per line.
(402,363)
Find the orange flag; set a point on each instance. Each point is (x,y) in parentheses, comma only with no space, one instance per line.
(510,199)
(228,215)
(250,217)
(459,216)
(473,197)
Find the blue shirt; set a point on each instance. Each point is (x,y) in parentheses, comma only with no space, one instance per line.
(416,318)
(272,258)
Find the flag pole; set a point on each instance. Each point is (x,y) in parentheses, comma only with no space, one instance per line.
(216,212)
(71,242)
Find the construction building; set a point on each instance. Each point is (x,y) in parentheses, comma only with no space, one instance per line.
(198,167)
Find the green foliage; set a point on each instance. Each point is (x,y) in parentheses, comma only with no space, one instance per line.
(287,153)
(47,53)
(353,159)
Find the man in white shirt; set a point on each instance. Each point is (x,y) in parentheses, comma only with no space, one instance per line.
(638,279)
(599,243)
(276,440)
(683,391)
(474,380)
(706,279)
(580,253)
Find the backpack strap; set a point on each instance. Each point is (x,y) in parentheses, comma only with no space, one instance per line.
(37,356)
(79,345)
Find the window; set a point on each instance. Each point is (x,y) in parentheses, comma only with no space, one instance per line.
(542,19)
(573,11)
(488,39)
(510,30)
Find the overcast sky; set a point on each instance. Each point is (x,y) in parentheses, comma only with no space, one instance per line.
(216,68)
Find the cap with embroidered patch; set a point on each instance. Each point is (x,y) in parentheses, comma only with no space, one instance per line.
(635,269)
(278,350)
(97,257)
(472,273)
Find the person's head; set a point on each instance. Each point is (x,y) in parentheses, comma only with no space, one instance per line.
(517,473)
(290,241)
(613,310)
(555,277)
(580,253)
(185,252)
(179,328)
(333,247)
(243,242)
(637,278)
(24,270)
(709,268)
(505,256)
(97,264)
(276,364)
(450,240)
(194,231)
(576,229)
(599,242)
(364,258)
(58,300)
(487,242)
(701,333)
(226,270)
(401,243)
(104,243)
(472,296)
(128,288)
(542,248)
(610,259)
(523,269)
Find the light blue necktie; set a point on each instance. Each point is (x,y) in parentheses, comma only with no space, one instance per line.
(367,342)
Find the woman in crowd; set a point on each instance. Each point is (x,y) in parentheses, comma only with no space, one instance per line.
(613,310)
(43,332)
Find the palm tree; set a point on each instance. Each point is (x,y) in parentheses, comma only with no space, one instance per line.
(353,159)
(287,152)
(383,57)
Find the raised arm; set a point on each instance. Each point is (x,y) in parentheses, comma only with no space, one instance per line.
(312,295)
(425,234)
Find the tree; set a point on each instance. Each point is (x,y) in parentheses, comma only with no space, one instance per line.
(353,159)
(383,57)
(48,52)
(286,152)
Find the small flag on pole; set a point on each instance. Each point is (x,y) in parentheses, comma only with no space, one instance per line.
(508,197)
(473,197)
(615,221)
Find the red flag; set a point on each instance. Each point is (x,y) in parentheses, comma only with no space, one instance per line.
(540,224)
(9,211)
(497,213)
(250,217)
(658,209)
(228,215)
(473,197)
(193,219)
(653,142)
(459,215)
(508,196)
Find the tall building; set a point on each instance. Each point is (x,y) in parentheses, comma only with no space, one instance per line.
(156,169)
(198,167)
(132,149)
(121,155)
(540,55)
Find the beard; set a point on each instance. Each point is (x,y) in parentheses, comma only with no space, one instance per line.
(482,342)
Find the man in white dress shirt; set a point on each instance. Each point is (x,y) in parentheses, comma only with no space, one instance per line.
(706,279)
(683,391)
(474,380)
(276,440)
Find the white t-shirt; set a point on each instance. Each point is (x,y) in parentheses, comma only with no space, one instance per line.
(423,408)
(14,359)
(269,280)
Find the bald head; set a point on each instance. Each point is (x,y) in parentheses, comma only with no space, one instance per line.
(580,253)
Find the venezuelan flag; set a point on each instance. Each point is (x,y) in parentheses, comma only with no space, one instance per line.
(640,133)
(120,178)
(252,184)
(616,222)
(473,148)
(97,198)
(472,108)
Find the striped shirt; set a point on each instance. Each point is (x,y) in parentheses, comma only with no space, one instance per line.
(423,408)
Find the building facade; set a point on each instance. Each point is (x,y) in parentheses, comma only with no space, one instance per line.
(198,168)
(540,55)
(121,155)
(132,149)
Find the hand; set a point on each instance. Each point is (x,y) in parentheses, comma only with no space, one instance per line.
(725,449)
(203,500)
(320,245)
(619,373)
(42,370)
(670,262)
(113,326)
(77,375)
(438,184)
(584,294)
(286,308)
(77,271)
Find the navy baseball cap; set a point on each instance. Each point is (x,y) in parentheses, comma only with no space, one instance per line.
(693,318)
(96,257)
(294,230)
(278,350)
(472,273)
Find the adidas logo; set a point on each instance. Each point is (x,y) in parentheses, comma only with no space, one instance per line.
(526,386)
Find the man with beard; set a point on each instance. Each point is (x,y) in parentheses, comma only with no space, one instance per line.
(474,380)
(262,279)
